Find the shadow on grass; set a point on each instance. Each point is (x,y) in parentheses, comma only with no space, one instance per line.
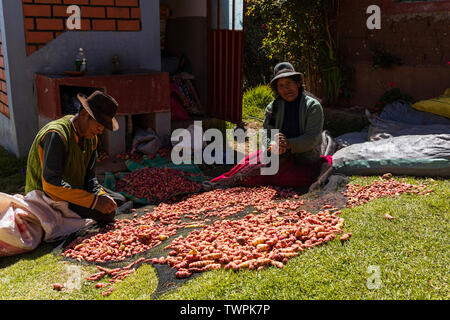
(42,250)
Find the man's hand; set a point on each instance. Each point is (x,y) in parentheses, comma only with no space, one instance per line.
(105,204)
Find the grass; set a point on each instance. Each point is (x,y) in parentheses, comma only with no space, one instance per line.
(411,252)
(12,173)
(255,101)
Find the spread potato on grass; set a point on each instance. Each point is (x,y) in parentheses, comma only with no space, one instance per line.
(275,233)
(417,239)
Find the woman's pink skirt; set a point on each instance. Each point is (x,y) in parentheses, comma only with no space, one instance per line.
(247,173)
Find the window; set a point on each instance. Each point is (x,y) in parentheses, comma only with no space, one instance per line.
(230,14)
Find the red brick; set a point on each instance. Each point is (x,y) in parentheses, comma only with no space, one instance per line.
(128,25)
(127,3)
(93,12)
(34,10)
(136,13)
(60,11)
(5,110)
(49,24)
(77,2)
(104,25)
(85,25)
(38,37)
(118,13)
(4,98)
(29,23)
(48,1)
(102,2)
(31,49)
(2,62)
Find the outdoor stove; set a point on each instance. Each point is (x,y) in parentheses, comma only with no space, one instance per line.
(137,93)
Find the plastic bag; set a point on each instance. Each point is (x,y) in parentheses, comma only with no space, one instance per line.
(439,106)
(26,221)
(350,138)
(146,142)
(196,143)
(383,129)
(419,155)
(404,112)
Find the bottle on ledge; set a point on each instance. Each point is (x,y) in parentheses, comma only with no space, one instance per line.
(83,67)
(79,60)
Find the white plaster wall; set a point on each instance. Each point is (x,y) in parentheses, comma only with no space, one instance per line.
(7,127)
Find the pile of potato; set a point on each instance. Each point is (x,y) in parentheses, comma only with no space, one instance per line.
(268,236)
(156,184)
(387,186)
(129,237)
(257,241)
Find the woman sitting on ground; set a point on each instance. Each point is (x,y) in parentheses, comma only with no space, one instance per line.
(298,116)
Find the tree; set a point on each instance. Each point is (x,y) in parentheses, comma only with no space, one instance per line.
(299,32)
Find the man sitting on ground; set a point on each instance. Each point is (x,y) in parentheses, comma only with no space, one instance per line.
(62,158)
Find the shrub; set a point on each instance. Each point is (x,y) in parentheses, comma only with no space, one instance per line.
(255,101)
(390,96)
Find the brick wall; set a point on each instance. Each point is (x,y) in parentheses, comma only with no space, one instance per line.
(420,38)
(45,20)
(3,91)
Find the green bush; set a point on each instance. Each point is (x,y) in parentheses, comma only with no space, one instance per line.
(12,173)
(255,101)
(390,96)
(258,67)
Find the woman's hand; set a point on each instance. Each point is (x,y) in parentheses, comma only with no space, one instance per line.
(280,144)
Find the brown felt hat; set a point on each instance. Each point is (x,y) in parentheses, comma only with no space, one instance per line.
(283,70)
(102,108)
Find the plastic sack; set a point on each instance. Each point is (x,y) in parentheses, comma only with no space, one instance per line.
(27,221)
(328,145)
(404,112)
(416,155)
(439,106)
(146,142)
(347,139)
(383,129)
(196,142)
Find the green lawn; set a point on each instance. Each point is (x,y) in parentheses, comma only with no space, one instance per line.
(411,254)
(12,173)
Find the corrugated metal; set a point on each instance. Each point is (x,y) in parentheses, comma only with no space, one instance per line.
(225,68)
